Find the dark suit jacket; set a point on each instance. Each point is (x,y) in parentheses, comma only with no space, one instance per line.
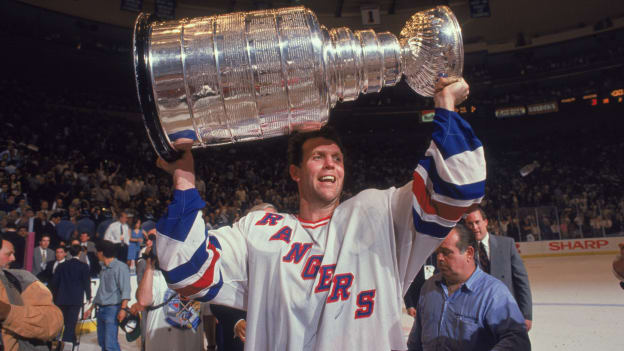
(413,292)
(70,283)
(49,229)
(227,317)
(506,265)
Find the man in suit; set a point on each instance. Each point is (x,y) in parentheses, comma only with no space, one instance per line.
(85,241)
(71,283)
(50,229)
(119,234)
(498,256)
(46,275)
(42,255)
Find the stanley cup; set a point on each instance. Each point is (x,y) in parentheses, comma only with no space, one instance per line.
(254,75)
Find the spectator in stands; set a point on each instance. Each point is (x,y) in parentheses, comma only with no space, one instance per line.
(50,229)
(85,241)
(462,308)
(136,239)
(9,205)
(42,255)
(118,233)
(28,317)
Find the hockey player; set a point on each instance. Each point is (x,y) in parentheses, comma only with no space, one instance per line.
(333,276)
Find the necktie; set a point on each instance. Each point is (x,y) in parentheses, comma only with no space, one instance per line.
(484,261)
(121,232)
(43,255)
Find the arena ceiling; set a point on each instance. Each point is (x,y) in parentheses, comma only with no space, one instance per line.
(509,18)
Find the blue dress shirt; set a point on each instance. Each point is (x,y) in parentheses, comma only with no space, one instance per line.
(114,284)
(480,315)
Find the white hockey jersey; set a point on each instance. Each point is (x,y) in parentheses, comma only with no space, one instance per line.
(334,284)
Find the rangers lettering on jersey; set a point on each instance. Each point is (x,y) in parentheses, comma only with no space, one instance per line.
(336,283)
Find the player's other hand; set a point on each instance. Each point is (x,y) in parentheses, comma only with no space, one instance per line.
(183,169)
(184,162)
(239,329)
(411,311)
(450,92)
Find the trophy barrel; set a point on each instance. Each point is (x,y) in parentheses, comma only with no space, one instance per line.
(230,78)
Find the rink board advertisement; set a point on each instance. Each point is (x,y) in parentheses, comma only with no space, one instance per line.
(571,247)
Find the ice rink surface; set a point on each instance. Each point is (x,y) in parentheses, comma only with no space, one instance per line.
(578,305)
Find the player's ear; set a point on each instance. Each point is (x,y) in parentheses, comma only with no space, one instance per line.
(294,173)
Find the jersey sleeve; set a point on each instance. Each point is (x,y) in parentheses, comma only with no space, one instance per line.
(447,181)
(200,264)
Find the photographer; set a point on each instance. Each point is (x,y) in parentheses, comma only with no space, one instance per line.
(171,322)
(27,315)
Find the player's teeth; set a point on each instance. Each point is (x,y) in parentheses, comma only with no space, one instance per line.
(327,179)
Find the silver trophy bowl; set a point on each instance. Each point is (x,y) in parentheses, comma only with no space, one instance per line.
(254,75)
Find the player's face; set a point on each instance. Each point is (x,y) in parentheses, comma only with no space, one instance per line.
(321,175)
(454,265)
(477,224)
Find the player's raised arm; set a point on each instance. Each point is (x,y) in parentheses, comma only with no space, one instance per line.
(191,259)
(447,181)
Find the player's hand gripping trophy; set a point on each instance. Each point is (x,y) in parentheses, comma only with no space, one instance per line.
(254,75)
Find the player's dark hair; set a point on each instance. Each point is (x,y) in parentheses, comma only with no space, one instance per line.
(297,139)
(477,208)
(466,238)
(74,250)
(62,248)
(107,248)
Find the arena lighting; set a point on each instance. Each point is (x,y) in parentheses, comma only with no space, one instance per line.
(472,109)
(594,102)
(507,112)
(543,108)
(617,92)
(605,101)
(619,100)
(590,96)
(567,100)
(463,110)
